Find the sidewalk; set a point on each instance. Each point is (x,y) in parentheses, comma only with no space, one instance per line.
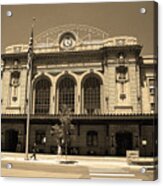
(72,157)
(75,166)
(87,161)
(42,167)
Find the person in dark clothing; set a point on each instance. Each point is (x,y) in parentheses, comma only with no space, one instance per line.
(34,151)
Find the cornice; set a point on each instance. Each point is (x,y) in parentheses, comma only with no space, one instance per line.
(86,53)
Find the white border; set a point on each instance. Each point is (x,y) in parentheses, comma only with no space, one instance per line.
(70,182)
(63,1)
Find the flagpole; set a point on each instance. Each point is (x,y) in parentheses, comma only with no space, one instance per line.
(29,90)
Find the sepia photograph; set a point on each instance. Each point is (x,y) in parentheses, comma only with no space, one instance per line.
(79,92)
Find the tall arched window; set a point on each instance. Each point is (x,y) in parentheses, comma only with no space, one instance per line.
(67,93)
(91,88)
(42,96)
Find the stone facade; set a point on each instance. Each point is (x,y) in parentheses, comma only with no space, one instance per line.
(127,91)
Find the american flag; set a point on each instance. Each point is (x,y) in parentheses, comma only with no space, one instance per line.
(30,51)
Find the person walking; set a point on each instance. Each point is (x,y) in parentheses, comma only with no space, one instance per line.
(34,151)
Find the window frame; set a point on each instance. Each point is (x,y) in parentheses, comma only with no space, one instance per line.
(47,97)
(96,94)
(71,94)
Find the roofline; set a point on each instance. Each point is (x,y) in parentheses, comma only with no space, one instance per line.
(24,54)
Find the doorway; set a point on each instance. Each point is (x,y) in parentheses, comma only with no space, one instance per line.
(124,141)
(11,140)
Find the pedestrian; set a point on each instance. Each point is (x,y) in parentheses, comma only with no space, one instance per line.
(34,151)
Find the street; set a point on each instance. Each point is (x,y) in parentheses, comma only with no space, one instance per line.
(87,167)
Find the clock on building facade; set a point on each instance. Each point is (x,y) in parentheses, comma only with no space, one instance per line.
(67,41)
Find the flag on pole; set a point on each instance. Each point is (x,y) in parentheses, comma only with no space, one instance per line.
(30,50)
(29,89)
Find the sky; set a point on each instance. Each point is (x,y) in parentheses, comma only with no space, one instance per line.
(114,18)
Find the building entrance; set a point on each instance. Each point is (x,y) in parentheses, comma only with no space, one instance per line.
(124,141)
(11,140)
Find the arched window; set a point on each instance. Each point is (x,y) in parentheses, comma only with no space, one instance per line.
(92,95)
(42,96)
(92,138)
(66,93)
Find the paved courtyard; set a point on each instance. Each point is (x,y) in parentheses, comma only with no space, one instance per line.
(87,167)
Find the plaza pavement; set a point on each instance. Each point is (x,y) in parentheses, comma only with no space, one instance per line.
(87,167)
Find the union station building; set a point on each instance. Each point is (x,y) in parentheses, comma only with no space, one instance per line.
(107,84)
